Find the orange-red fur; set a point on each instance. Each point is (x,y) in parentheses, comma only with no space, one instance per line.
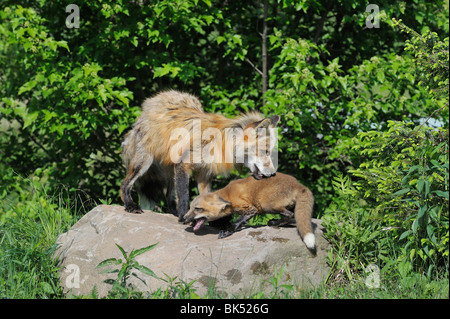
(281,194)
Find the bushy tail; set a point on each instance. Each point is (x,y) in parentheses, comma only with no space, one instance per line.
(303,212)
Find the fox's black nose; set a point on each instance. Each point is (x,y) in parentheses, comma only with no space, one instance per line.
(273,174)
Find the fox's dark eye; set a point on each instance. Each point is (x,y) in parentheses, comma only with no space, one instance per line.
(199,209)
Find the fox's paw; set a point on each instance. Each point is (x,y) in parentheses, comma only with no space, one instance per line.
(134,209)
(183,221)
(273,223)
(224,234)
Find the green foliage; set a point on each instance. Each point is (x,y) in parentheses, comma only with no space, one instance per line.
(279,290)
(405,177)
(322,106)
(176,289)
(58,114)
(396,209)
(122,289)
(432,59)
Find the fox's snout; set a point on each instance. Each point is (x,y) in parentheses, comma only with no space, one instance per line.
(188,218)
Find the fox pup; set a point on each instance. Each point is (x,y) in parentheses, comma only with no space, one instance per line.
(280,194)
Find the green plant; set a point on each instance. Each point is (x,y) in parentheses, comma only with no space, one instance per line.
(120,286)
(176,289)
(426,186)
(279,290)
(357,237)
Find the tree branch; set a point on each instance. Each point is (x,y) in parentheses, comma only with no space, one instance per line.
(264,52)
(254,66)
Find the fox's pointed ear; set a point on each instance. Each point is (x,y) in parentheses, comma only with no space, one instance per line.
(263,123)
(275,119)
(221,203)
(269,121)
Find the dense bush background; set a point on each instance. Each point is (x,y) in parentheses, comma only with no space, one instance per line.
(352,100)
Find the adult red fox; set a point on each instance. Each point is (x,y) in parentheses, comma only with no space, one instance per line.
(174,137)
(280,194)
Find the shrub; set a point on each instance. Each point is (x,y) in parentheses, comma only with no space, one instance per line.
(404,176)
(58,114)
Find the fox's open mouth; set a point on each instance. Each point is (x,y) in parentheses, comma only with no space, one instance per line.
(199,222)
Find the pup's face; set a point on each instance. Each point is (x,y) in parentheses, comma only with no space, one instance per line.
(207,207)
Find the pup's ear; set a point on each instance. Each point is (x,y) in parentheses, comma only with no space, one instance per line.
(220,203)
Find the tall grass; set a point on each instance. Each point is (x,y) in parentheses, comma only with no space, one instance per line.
(30,222)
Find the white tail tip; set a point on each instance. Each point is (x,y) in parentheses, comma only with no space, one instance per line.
(310,241)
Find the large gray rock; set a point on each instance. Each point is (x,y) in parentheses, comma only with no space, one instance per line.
(239,265)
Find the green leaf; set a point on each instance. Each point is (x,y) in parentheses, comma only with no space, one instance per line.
(193,295)
(109,281)
(441,194)
(431,234)
(415,225)
(145,270)
(109,271)
(142,250)
(405,234)
(420,184)
(412,253)
(28,86)
(122,251)
(123,271)
(109,262)
(401,192)
(422,211)
(29,119)
(63,44)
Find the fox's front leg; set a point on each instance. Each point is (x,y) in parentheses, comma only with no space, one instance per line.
(182,189)
(242,221)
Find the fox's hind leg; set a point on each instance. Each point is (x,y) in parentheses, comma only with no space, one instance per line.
(136,168)
(171,197)
(286,219)
(182,188)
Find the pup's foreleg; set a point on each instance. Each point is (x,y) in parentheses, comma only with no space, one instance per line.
(241,222)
